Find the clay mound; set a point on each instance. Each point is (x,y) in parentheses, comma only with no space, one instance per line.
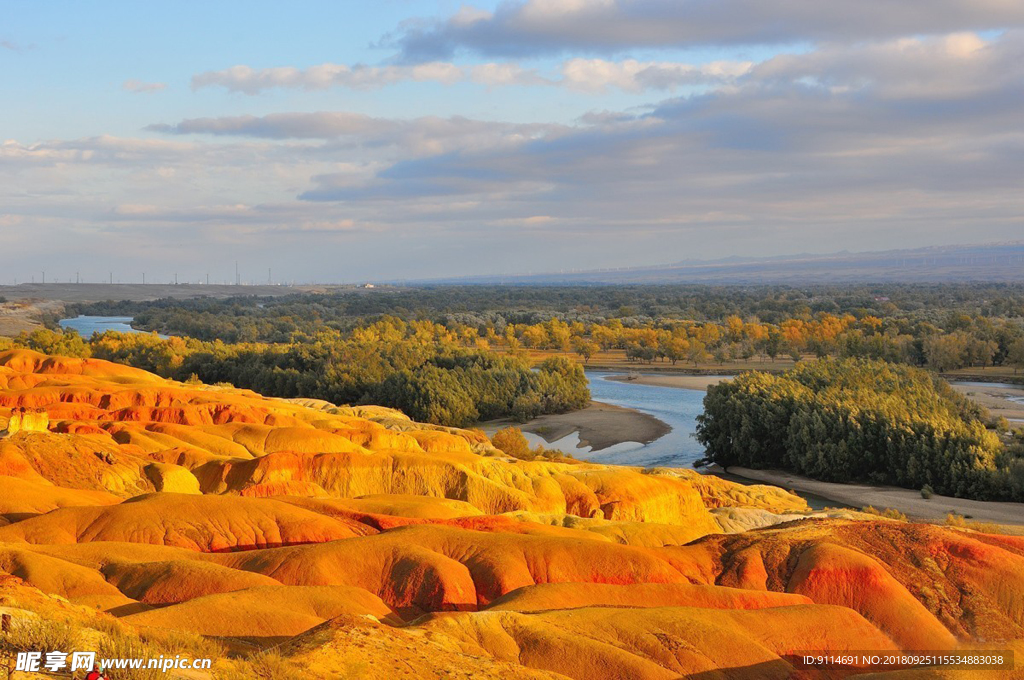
(260,440)
(356,646)
(172,478)
(21,498)
(171,435)
(27,361)
(491,485)
(97,556)
(739,520)
(263,612)
(438,568)
(660,643)
(642,534)
(832,574)
(419,507)
(185,456)
(297,488)
(718,492)
(441,442)
(87,462)
(387,512)
(491,489)
(550,596)
(921,584)
(204,523)
(631,496)
(162,583)
(55,576)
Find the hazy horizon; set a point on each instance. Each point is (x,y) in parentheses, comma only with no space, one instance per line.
(409,139)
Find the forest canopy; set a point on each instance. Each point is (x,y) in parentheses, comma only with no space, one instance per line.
(860,420)
(942,327)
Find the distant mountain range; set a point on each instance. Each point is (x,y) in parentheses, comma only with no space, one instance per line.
(993,262)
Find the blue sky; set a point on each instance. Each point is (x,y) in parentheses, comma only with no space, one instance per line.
(343,141)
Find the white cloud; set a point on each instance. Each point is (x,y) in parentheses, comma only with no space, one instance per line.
(598,75)
(359,77)
(582,75)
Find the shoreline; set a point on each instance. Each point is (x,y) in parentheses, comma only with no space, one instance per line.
(599,425)
(683,381)
(907,501)
(1004,401)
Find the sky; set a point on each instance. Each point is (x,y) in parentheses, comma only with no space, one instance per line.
(390,140)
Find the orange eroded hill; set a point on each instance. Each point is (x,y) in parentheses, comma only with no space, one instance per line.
(263,611)
(391,549)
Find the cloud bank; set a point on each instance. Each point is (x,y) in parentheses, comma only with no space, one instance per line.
(871,125)
(546,27)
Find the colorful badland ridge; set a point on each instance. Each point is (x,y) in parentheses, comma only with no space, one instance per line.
(356,538)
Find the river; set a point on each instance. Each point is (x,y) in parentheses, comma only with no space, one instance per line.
(677,408)
(87,325)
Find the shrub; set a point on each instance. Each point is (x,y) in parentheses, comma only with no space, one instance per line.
(43,635)
(513,443)
(888,513)
(264,665)
(121,644)
(955,520)
(927,492)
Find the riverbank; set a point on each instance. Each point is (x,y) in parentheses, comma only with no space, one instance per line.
(600,426)
(907,501)
(1006,401)
(680,381)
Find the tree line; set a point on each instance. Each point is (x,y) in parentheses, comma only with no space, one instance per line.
(942,327)
(420,367)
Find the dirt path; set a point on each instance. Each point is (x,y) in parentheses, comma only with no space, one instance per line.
(906,501)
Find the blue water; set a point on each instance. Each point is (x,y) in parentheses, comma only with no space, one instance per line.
(87,325)
(677,408)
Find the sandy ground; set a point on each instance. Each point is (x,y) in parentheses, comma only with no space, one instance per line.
(599,425)
(1007,401)
(906,501)
(16,317)
(686,382)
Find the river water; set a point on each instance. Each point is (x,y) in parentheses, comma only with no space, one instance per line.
(677,408)
(87,325)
